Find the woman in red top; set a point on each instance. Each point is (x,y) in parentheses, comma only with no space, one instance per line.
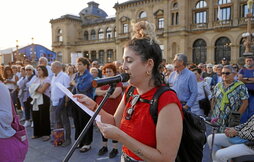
(143,140)
(109,70)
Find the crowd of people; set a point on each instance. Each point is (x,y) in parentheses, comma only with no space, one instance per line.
(229,90)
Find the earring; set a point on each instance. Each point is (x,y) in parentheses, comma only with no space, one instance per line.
(148,73)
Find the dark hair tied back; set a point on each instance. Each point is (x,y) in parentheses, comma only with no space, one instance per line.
(145,44)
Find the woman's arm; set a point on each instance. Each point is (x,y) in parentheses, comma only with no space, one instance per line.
(105,117)
(243,106)
(168,137)
(100,92)
(116,93)
(43,88)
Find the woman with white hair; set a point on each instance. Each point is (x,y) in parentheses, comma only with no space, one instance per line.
(29,79)
(168,70)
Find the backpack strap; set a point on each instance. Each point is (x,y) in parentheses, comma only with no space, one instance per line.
(129,93)
(154,103)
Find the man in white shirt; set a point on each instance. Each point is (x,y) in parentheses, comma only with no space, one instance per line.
(58,99)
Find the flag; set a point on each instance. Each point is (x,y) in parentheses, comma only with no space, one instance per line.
(219,14)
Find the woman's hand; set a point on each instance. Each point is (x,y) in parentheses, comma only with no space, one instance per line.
(73,83)
(230,132)
(88,102)
(109,131)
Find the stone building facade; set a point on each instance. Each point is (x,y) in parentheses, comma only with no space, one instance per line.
(205,30)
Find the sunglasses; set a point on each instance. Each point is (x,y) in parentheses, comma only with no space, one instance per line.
(226,73)
(130,110)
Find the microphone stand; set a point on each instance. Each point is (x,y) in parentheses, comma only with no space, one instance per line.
(90,122)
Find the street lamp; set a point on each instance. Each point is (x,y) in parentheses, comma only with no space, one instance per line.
(17,51)
(248,37)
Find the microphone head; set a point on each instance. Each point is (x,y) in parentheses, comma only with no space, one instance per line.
(125,77)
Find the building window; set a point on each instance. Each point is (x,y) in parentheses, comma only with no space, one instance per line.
(142,15)
(93,35)
(101,34)
(86,35)
(115,32)
(222,49)
(125,28)
(244,10)
(60,38)
(224,13)
(199,51)
(101,57)
(177,19)
(172,18)
(201,4)
(86,54)
(109,33)
(200,17)
(162,50)
(200,12)
(59,56)
(59,35)
(93,55)
(110,56)
(175,6)
(60,31)
(223,2)
(160,23)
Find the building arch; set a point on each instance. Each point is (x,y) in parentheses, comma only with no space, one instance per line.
(86,35)
(222,49)
(199,51)
(93,34)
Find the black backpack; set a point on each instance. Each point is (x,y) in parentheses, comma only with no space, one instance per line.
(193,137)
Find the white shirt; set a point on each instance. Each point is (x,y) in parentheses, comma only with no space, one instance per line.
(56,93)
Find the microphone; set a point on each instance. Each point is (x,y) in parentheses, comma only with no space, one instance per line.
(124,77)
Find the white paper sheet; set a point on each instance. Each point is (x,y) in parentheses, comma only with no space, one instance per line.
(70,95)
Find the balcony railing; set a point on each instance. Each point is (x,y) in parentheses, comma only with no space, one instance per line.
(124,35)
(222,23)
(104,40)
(199,26)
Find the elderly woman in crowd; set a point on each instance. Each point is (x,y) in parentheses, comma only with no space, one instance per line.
(109,70)
(24,85)
(203,92)
(228,96)
(226,145)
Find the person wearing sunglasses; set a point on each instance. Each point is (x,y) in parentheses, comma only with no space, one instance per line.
(246,75)
(132,124)
(229,96)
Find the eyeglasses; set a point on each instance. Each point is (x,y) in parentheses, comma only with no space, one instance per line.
(226,73)
(131,109)
(235,67)
(28,69)
(108,71)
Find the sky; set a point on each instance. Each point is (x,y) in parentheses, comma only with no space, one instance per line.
(23,20)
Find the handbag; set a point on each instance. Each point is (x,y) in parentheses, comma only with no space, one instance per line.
(20,134)
(234,119)
(205,104)
(18,143)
